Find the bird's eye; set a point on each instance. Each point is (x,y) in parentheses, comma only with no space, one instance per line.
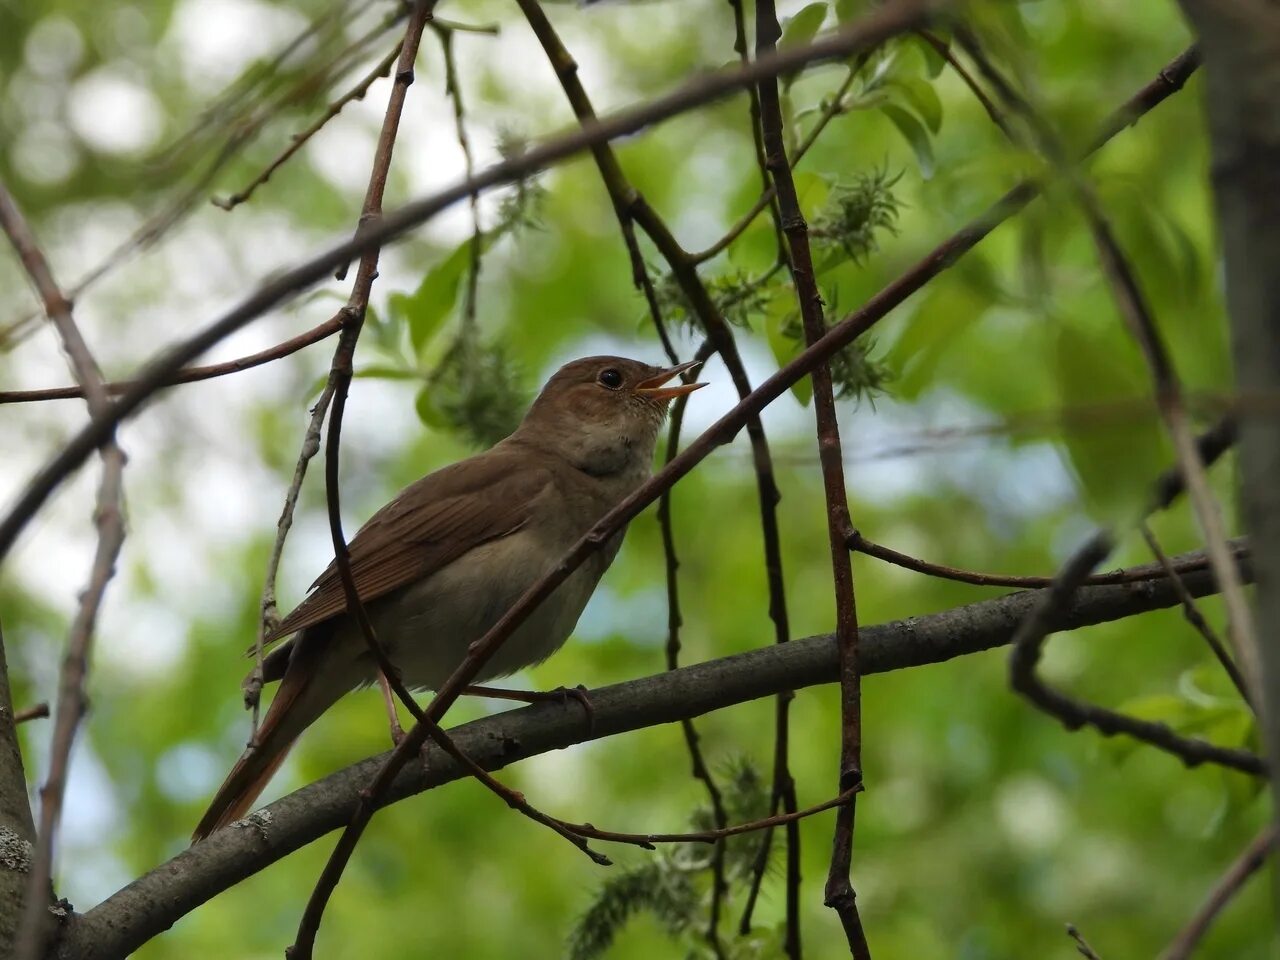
(610,378)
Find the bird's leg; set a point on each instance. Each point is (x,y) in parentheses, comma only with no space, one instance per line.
(561,695)
(393,718)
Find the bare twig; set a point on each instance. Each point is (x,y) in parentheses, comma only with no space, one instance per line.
(697,763)
(341,373)
(1082,945)
(1192,612)
(944,50)
(833,109)
(1137,314)
(268,614)
(191,374)
(1228,885)
(1029,641)
(631,209)
(38,712)
(299,140)
(775,215)
(242,131)
(839,893)
(109,519)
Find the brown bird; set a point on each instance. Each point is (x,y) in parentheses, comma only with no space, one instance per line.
(438,565)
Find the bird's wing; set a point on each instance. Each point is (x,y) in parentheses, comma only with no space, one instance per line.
(429,525)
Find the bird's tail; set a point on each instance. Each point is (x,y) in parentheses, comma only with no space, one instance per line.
(297,704)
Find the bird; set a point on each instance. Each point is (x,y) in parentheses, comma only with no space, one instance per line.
(440,563)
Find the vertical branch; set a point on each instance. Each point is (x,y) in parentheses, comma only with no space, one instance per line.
(631,208)
(268,614)
(17,831)
(341,372)
(698,764)
(453,90)
(1241,43)
(753,98)
(839,891)
(109,519)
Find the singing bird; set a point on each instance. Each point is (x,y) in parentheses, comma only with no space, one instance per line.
(443,561)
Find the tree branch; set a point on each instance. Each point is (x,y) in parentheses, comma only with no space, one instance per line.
(839,893)
(109,519)
(153,902)
(17,830)
(1246,865)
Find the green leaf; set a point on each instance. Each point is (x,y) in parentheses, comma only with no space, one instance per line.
(381,371)
(785,347)
(922,98)
(847,10)
(428,412)
(915,135)
(427,308)
(934,62)
(801,28)
(1115,455)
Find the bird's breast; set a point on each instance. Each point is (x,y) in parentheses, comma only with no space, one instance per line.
(428,626)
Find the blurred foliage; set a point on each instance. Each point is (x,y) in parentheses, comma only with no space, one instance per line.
(985,827)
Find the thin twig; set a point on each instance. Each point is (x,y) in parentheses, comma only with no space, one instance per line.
(1029,641)
(1138,316)
(833,109)
(1228,885)
(299,140)
(944,51)
(859,543)
(1082,945)
(1194,617)
(453,90)
(839,893)
(632,208)
(109,520)
(341,373)
(243,131)
(38,712)
(191,374)
(697,763)
(268,614)
(775,213)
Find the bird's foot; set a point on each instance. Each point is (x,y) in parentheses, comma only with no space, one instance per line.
(561,695)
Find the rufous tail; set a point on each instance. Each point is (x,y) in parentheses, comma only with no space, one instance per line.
(292,711)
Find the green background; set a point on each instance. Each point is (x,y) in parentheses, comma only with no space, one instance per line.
(985,826)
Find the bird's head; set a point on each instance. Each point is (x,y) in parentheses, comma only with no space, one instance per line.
(603,413)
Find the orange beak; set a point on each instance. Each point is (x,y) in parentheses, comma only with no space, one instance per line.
(653,389)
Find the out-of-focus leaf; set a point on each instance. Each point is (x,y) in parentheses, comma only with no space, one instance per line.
(802,28)
(426,309)
(934,62)
(785,347)
(428,411)
(915,135)
(847,10)
(381,371)
(1116,451)
(922,98)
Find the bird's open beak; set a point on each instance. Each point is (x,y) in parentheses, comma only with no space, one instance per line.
(653,389)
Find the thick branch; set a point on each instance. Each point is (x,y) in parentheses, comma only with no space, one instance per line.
(1241,42)
(155,901)
(17,831)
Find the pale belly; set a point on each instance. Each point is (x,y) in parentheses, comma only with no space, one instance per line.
(427,627)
